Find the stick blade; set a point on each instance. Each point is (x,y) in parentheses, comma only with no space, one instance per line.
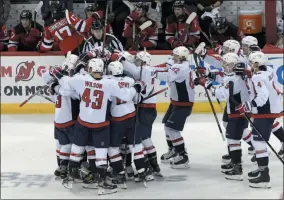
(200,47)
(38,7)
(145,25)
(190,18)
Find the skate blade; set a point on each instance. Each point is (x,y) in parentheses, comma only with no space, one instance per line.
(90,186)
(182,166)
(264,185)
(104,191)
(226,161)
(68,184)
(234,177)
(145,184)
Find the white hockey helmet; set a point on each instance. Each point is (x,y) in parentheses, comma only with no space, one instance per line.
(115,68)
(96,65)
(72,61)
(229,60)
(247,42)
(144,56)
(257,59)
(231,46)
(181,53)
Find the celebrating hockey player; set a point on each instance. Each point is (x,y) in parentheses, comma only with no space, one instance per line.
(93,122)
(233,86)
(266,106)
(180,80)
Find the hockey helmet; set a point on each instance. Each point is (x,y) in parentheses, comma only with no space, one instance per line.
(97,24)
(115,68)
(26,14)
(229,61)
(231,46)
(221,25)
(180,53)
(57,9)
(143,56)
(92,7)
(96,65)
(143,6)
(257,59)
(247,42)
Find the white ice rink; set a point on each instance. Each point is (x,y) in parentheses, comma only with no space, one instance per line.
(28,162)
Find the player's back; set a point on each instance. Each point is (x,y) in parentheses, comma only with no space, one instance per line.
(64,33)
(119,107)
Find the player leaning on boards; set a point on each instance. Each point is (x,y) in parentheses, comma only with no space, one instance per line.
(180,79)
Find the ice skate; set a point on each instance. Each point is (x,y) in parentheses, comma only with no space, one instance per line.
(166,157)
(226,167)
(236,173)
(130,172)
(106,188)
(73,174)
(253,174)
(262,181)
(120,180)
(180,161)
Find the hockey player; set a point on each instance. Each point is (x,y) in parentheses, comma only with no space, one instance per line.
(180,80)
(25,35)
(266,106)
(147,113)
(59,29)
(122,125)
(177,32)
(93,121)
(96,39)
(4,37)
(233,86)
(148,37)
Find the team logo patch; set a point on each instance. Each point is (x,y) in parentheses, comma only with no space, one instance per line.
(175,70)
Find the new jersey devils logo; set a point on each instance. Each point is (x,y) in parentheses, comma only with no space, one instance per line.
(25,71)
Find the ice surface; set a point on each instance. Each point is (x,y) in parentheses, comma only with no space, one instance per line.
(28,162)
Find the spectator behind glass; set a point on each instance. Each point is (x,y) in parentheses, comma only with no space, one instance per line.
(178,33)
(26,35)
(146,38)
(223,30)
(206,6)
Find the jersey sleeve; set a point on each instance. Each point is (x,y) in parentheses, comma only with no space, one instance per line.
(262,92)
(152,35)
(66,86)
(131,69)
(48,40)
(14,41)
(172,75)
(128,28)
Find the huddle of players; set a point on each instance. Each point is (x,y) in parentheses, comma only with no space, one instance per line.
(95,112)
(248,87)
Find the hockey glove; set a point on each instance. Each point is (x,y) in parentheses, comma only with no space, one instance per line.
(139,86)
(203,81)
(52,86)
(244,108)
(56,72)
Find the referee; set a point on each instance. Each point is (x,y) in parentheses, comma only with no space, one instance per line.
(97,36)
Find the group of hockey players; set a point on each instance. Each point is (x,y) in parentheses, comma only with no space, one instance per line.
(105,107)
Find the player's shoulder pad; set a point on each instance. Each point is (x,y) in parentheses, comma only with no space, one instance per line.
(258,76)
(171,19)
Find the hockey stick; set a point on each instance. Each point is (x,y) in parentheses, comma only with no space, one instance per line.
(47,98)
(37,9)
(155,93)
(141,28)
(129,5)
(85,2)
(207,38)
(195,56)
(189,20)
(252,124)
(104,40)
(33,95)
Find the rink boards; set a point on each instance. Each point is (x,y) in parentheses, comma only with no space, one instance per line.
(21,77)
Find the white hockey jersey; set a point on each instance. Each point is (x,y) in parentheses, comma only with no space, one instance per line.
(122,110)
(148,77)
(66,107)
(180,80)
(239,93)
(267,98)
(95,96)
